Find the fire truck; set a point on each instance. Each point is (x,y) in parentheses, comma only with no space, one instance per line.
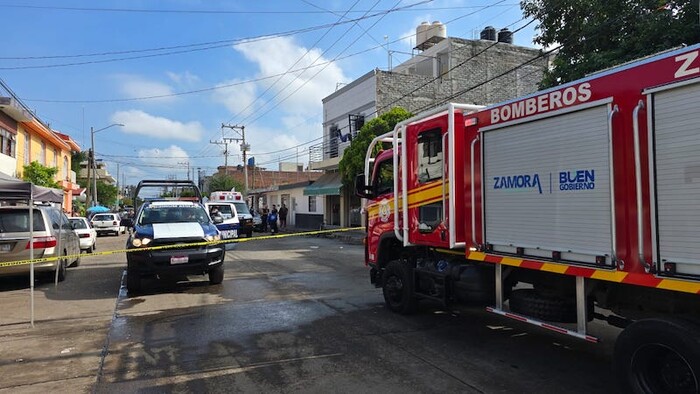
(575,203)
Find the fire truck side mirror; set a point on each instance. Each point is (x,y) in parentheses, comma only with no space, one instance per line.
(361,188)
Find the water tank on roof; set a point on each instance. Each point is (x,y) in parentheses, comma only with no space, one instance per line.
(505,36)
(422,33)
(437,29)
(489,33)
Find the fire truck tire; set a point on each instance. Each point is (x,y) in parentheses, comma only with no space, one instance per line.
(529,302)
(659,356)
(398,287)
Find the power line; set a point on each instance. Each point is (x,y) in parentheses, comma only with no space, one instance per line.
(214,12)
(295,63)
(187,48)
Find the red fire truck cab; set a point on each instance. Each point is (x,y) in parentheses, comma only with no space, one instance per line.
(575,203)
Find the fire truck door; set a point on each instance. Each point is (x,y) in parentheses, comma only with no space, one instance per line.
(676,152)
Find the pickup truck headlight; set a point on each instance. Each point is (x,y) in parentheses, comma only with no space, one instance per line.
(210,238)
(137,242)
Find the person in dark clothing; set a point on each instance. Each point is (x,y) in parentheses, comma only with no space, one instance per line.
(263,216)
(283,216)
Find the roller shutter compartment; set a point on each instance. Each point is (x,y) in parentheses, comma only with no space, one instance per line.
(547,186)
(677,159)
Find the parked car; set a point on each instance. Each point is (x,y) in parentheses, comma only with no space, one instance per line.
(53,236)
(247,222)
(257,221)
(161,223)
(86,234)
(107,223)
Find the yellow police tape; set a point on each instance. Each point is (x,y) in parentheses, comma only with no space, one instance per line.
(176,246)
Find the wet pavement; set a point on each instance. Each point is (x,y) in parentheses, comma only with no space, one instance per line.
(294,314)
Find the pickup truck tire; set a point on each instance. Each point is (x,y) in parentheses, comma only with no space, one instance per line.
(133,282)
(398,287)
(659,355)
(216,275)
(529,302)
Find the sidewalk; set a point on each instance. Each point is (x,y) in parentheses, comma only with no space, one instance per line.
(353,237)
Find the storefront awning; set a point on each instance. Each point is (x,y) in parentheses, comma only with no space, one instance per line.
(326,185)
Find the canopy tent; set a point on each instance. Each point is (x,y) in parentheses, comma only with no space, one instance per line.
(13,189)
(98,209)
(328,184)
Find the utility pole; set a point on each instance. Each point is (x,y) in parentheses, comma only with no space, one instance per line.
(225,144)
(244,149)
(187,163)
(88,195)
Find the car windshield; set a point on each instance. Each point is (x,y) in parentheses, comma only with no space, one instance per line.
(17,220)
(78,223)
(225,210)
(241,208)
(103,217)
(173,214)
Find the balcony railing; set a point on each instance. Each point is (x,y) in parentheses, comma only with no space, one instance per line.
(328,149)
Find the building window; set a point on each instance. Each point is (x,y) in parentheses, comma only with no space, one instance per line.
(27,142)
(65,168)
(312,203)
(7,142)
(42,154)
(55,157)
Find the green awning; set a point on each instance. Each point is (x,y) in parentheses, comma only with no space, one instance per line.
(326,185)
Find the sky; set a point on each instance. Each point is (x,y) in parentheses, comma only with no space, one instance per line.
(173,71)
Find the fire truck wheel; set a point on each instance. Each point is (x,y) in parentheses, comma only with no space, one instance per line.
(529,302)
(398,287)
(659,356)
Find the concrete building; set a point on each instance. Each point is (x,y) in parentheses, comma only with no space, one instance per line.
(445,69)
(305,212)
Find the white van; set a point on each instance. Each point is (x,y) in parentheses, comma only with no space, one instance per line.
(229,227)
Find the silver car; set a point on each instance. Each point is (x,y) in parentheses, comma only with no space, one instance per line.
(53,236)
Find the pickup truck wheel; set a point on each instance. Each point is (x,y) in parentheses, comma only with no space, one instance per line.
(216,275)
(398,287)
(133,282)
(659,356)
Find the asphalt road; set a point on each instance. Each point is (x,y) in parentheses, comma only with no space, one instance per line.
(292,315)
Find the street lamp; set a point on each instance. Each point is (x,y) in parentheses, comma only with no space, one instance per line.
(94,165)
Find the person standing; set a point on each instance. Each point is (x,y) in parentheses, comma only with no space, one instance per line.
(283,216)
(263,216)
(272,218)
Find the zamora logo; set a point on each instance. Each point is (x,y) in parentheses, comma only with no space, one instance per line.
(518,182)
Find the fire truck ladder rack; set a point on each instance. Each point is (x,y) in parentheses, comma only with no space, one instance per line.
(581,312)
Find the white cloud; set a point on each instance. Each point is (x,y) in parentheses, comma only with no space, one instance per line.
(277,55)
(139,122)
(238,99)
(172,157)
(134,86)
(184,78)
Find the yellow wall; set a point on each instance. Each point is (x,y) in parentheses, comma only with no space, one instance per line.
(35,151)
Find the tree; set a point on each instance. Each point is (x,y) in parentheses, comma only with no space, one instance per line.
(220,182)
(106,194)
(597,34)
(76,159)
(353,161)
(40,175)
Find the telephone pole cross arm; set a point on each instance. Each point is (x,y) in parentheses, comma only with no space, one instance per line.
(240,129)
